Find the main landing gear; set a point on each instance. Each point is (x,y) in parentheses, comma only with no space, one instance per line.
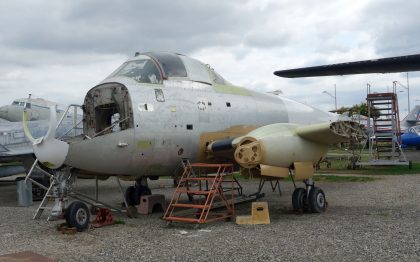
(134,193)
(310,198)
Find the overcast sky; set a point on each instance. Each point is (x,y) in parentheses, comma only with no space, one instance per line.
(58,50)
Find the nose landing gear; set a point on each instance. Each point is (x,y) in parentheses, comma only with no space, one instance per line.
(77,215)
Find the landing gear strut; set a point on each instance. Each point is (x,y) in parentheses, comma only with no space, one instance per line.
(134,193)
(312,198)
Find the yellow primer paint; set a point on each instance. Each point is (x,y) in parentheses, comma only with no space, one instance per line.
(144,144)
(259,215)
(230,89)
(25,127)
(48,164)
(173,108)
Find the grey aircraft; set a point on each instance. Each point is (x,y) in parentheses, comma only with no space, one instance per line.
(16,153)
(37,109)
(160,108)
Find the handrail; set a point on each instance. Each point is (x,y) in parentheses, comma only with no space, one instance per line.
(65,113)
(68,131)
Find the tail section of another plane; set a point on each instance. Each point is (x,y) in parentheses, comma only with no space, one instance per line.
(412,119)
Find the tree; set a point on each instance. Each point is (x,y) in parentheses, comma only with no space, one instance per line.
(361,109)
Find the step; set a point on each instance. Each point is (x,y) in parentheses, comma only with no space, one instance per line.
(182,219)
(190,206)
(196,192)
(384,138)
(384,135)
(380,96)
(387,114)
(198,178)
(381,103)
(384,108)
(382,120)
(384,131)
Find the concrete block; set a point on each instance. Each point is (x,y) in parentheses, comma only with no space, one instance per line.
(151,203)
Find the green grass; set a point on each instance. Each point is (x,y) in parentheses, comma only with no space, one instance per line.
(340,167)
(119,222)
(332,178)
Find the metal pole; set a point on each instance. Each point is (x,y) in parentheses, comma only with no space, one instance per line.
(75,120)
(408,93)
(335,96)
(96,188)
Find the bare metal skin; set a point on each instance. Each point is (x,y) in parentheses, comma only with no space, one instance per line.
(163,111)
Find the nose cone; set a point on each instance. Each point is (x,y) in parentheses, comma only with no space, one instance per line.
(3,112)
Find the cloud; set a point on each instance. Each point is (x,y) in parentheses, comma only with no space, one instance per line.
(393,25)
(60,49)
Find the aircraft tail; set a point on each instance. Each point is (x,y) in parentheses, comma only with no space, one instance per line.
(412,118)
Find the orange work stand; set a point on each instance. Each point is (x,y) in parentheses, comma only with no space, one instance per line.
(202,183)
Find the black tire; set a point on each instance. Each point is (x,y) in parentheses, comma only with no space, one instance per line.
(77,215)
(317,200)
(129,195)
(299,199)
(141,191)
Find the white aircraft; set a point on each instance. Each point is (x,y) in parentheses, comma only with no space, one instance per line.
(158,108)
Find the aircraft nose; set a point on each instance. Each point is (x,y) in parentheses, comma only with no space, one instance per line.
(3,111)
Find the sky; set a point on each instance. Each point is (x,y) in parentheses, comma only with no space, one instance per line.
(58,50)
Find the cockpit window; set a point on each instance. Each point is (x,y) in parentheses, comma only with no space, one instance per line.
(142,70)
(171,64)
(17,103)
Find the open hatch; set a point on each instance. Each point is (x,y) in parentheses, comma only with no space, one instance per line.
(107,109)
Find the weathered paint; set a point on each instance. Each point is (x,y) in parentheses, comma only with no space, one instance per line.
(175,126)
(144,144)
(230,89)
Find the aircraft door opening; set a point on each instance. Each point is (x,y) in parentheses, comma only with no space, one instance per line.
(107,109)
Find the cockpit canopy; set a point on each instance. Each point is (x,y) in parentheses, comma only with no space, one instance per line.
(154,67)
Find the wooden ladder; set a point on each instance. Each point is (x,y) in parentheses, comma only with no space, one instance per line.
(202,189)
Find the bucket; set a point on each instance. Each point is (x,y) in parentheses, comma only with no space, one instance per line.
(24,193)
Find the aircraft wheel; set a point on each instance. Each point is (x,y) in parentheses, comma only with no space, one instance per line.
(299,199)
(77,215)
(141,191)
(129,196)
(317,201)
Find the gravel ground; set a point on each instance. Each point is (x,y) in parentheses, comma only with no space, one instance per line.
(370,221)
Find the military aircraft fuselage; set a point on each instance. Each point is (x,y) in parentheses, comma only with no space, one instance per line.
(162,122)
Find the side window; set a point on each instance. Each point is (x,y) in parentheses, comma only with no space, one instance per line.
(141,70)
